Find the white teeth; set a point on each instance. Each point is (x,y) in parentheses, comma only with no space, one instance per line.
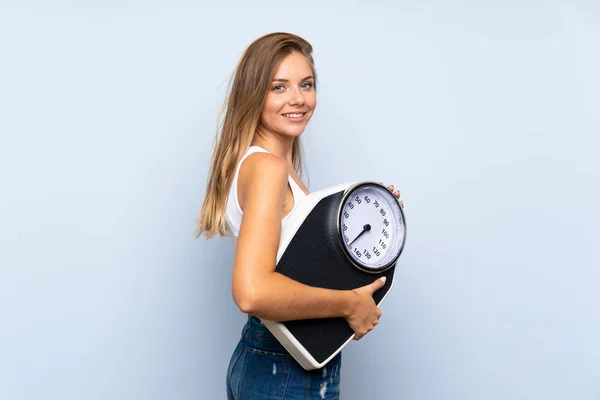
(293,115)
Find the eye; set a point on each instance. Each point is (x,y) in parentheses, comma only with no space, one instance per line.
(278,88)
(307,85)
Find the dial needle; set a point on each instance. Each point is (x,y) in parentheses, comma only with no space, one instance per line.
(367,227)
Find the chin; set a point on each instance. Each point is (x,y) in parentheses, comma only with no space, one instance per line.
(297,131)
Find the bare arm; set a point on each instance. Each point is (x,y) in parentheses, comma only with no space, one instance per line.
(257,288)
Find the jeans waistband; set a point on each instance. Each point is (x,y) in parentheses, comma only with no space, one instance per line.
(257,336)
(255,328)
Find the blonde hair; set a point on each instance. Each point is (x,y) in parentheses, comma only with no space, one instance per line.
(239,119)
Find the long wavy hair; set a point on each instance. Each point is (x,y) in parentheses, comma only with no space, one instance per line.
(239,119)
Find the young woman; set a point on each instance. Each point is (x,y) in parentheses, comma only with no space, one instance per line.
(254,185)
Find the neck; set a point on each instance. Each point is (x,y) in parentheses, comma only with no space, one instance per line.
(281,146)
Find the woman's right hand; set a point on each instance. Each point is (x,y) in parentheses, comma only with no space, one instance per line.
(364,314)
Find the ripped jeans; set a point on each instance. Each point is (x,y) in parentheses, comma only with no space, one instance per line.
(261,368)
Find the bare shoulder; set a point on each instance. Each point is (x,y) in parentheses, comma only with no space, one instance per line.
(262,173)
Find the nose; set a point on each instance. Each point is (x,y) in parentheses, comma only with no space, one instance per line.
(297,97)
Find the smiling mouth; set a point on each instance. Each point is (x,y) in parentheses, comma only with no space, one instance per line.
(294,115)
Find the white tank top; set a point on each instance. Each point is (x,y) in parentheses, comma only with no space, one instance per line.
(233,211)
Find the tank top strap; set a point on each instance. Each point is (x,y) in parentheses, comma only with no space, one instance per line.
(251,150)
(296,190)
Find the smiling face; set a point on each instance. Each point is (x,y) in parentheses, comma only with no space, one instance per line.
(291,98)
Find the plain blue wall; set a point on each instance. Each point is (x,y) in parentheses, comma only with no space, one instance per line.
(485,115)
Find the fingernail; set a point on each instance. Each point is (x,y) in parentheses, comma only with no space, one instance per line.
(383,278)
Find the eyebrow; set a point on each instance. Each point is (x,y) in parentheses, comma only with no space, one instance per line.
(286,80)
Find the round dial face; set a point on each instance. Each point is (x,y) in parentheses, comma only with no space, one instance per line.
(372,227)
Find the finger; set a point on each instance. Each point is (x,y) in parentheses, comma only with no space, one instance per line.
(378,284)
(391,188)
(401,204)
(397,193)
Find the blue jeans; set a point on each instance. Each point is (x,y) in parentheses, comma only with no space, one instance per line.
(261,368)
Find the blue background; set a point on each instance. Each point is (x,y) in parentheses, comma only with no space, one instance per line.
(485,114)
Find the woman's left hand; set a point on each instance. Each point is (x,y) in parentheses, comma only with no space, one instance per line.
(396,193)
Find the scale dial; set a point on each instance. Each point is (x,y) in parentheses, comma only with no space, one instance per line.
(371,227)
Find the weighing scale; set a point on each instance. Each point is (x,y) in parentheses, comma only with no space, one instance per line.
(342,237)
